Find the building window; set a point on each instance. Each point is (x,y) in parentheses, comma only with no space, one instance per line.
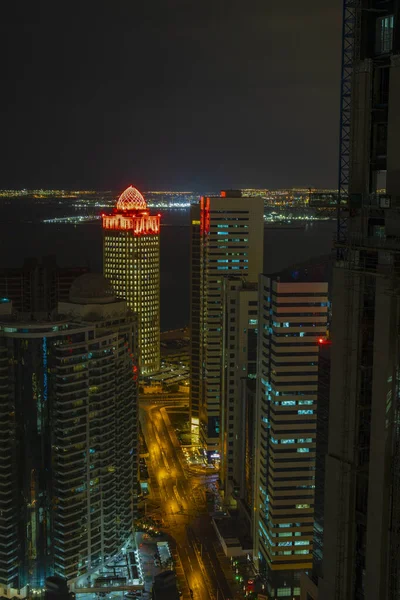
(284,592)
(384,34)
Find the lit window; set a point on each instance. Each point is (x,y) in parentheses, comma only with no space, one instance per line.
(384,34)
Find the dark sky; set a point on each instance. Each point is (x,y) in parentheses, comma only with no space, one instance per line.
(184,94)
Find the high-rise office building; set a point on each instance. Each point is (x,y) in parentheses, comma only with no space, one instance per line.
(227,233)
(68,436)
(309,580)
(239,359)
(361,551)
(38,285)
(293,311)
(131,261)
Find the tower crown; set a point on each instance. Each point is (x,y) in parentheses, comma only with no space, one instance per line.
(131,199)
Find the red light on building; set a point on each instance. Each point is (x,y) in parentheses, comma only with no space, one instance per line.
(205,215)
(142,224)
(131,199)
(223,194)
(131,214)
(250,585)
(324,341)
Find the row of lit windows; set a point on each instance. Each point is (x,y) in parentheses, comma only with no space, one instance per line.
(122,239)
(126,251)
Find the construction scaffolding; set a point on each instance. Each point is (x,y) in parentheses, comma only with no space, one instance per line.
(350,53)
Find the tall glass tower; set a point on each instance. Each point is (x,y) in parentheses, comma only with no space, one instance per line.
(68,437)
(131,261)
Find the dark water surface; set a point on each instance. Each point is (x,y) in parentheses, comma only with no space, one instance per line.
(82,245)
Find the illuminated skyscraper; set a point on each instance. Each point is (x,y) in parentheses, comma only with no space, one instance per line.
(293,313)
(227,235)
(68,436)
(131,261)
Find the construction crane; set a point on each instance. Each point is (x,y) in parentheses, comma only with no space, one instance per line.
(350,53)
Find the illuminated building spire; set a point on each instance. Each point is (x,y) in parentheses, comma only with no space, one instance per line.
(131,199)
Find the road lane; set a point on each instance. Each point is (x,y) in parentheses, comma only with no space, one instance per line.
(162,488)
(186,494)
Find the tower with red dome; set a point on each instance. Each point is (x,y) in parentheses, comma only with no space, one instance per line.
(131,262)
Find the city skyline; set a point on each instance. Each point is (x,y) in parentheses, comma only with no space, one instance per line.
(253,454)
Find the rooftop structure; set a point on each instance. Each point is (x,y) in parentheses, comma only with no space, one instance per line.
(131,199)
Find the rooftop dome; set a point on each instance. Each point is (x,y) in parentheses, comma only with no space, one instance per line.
(131,199)
(91,288)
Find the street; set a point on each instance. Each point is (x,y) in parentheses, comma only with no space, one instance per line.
(178,498)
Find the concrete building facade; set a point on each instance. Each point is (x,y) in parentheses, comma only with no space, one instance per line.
(226,240)
(361,548)
(39,285)
(238,383)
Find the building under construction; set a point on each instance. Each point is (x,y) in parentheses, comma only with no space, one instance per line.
(361,550)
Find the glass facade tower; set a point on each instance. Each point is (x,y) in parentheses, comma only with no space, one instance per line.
(68,441)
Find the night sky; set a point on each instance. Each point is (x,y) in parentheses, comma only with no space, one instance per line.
(184,94)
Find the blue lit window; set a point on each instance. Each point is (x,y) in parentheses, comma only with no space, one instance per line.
(384,34)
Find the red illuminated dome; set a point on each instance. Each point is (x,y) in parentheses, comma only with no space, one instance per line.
(131,199)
